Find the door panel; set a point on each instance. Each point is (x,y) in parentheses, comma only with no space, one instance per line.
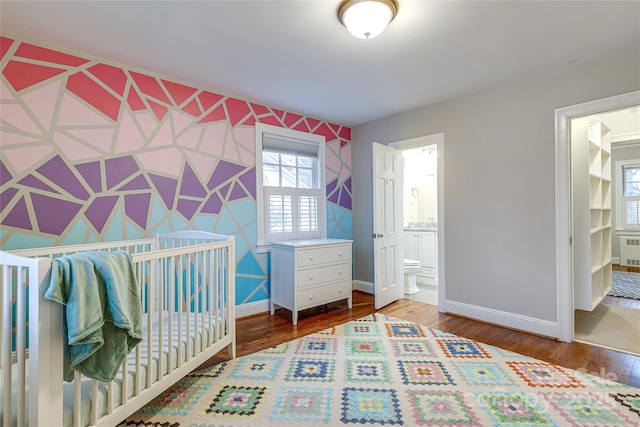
(388,233)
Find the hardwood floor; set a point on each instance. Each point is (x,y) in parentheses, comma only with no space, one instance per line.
(255,333)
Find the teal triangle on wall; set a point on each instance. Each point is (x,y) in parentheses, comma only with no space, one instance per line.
(249,265)
(133,231)
(178,223)
(114,232)
(77,234)
(226,224)
(158,213)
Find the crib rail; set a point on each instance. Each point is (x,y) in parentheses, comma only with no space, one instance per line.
(186,283)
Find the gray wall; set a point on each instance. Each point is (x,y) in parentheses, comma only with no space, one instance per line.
(499,181)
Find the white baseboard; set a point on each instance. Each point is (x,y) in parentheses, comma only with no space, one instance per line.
(615,260)
(503,318)
(251,308)
(359,285)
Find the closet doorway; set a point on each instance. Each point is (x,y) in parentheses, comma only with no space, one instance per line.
(568,255)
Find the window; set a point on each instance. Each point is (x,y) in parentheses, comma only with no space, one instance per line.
(628,195)
(290,183)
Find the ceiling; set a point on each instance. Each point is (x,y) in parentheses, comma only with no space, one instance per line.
(295,55)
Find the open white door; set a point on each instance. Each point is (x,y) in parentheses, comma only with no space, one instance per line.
(388,250)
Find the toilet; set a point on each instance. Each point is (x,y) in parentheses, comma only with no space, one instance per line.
(411,268)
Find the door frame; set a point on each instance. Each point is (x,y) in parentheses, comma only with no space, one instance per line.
(564,253)
(436,139)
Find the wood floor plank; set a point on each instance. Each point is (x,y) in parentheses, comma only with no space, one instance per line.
(261,331)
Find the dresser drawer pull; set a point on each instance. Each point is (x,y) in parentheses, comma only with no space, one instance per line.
(310,277)
(340,254)
(310,257)
(340,290)
(310,297)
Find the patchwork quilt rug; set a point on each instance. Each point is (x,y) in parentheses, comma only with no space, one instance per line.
(380,370)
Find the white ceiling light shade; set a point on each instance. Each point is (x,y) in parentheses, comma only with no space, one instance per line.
(366,19)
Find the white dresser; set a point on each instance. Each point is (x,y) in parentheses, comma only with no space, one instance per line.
(308,273)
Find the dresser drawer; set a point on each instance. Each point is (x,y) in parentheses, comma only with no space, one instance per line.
(329,273)
(324,254)
(321,294)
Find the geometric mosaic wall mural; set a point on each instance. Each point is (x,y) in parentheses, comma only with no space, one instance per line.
(94,151)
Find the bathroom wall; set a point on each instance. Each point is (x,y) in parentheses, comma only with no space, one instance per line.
(95,151)
(420,192)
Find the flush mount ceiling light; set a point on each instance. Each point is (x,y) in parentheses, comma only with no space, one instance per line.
(366,19)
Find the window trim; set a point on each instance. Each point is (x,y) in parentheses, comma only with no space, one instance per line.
(262,244)
(620,209)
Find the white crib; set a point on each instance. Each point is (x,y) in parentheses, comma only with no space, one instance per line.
(187,284)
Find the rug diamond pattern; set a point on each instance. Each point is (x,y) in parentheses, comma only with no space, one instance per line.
(380,370)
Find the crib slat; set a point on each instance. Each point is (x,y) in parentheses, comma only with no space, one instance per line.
(189,300)
(77,399)
(21,341)
(141,282)
(6,343)
(150,298)
(158,307)
(180,304)
(170,309)
(94,402)
(124,394)
(110,397)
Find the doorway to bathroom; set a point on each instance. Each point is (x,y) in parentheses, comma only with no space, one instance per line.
(420,217)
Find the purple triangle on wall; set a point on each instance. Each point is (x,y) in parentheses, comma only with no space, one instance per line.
(224,171)
(248,179)
(347,184)
(334,197)
(237,192)
(7,196)
(99,211)
(33,182)
(91,174)
(57,171)
(5,175)
(53,215)
(224,190)
(19,216)
(187,207)
(137,183)
(345,199)
(119,169)
(213,205)
(136,207)
(191,185)
(332,186)
(166,188)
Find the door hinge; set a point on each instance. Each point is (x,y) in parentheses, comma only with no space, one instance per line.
(570,240)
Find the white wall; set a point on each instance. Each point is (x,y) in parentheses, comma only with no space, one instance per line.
(499,183)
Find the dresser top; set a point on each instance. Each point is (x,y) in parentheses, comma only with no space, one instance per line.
(310,242)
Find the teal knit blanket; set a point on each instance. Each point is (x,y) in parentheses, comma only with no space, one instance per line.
(102,311)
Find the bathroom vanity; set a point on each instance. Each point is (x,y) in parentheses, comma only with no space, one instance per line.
(422,244)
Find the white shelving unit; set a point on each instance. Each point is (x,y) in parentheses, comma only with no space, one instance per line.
(592,227)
